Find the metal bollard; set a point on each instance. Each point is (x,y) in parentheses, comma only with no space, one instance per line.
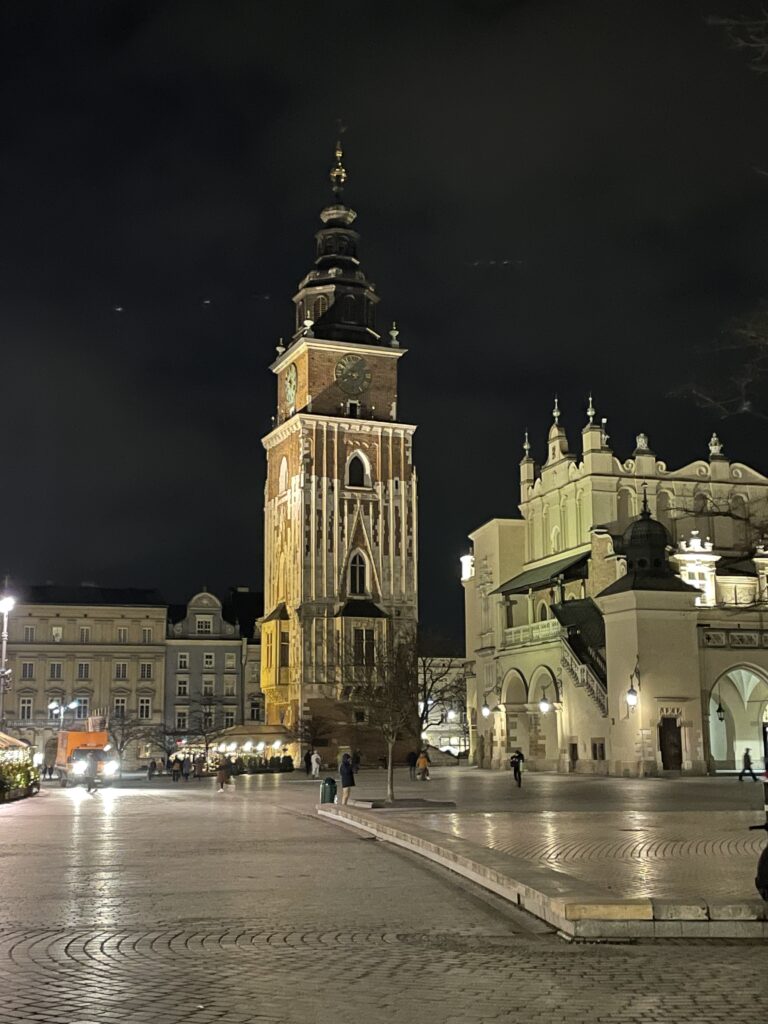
(761,879)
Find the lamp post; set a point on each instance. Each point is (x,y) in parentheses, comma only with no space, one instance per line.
(59,708)
(6,604)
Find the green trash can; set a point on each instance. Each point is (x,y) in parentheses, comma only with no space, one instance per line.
(328,791)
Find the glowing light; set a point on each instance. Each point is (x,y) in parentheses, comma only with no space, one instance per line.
(631,697)
(221,748)
(38,759)
(544,705)
(79,767)
(111,767)
(6,604)
(485,710)
(276,745)
(452,716)
(248,746)
(232,746)
(260,746)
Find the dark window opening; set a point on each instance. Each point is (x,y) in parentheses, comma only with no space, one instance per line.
(284,649)
(358,575)
(356,471)
(364,647)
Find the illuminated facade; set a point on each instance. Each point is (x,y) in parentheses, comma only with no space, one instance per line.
(340,501)
(659,667)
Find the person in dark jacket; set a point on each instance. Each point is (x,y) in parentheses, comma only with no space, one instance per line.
(411,760)
(347,773)
(747,767)
(516,764)
(308,763)
(91,771)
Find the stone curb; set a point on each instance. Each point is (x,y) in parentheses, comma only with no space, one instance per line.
(578,910)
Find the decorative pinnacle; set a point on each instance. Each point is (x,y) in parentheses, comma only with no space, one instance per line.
(338,173)
(556,412)
(527,446)
(646,510)
(590,410)
(393,335)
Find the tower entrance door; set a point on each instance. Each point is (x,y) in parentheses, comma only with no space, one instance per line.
(671,745)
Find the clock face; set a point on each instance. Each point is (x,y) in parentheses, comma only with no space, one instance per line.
(290,380)
(353,375)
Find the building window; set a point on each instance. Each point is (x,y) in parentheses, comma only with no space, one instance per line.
(598,750)
(27,670)
(209,660)
(85,634)
(183,661)
(146,635)
(145,708)
(359,716)
(356,470)
(229,718)
(122,634)
(229,687)
(181,719)
(268,647)
(25,708)
(204,624)
(182,687)
(119,707)
(83,670)
(57,634)
(208,686)
(357,575)
(83,705)
(121,670)
(208,720)
(230,662)
(256,710)
(54,670)
(29,634)
(284,648)
(364,647)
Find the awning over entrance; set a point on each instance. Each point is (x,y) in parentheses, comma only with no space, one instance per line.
(571,568)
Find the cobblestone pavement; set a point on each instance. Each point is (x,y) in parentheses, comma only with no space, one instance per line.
(160,904)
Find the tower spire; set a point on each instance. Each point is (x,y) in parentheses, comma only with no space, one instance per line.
(338,173)
(556,412)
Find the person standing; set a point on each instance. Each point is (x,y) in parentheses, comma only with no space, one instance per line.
(176,769)
(411,759)
(151,769)
(747,767)
(347,773)
(316,762)
(422,766)
(186,766)
(198,767)
(90,772)
(516,764)
(308,762)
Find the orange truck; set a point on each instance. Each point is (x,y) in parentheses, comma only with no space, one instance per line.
(74,748)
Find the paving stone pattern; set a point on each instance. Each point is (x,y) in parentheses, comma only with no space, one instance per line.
(180,905)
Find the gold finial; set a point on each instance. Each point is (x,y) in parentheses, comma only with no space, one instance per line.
(338,173)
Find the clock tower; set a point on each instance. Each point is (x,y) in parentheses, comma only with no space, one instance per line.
(340,503)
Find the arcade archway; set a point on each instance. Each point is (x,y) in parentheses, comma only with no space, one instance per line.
(742,694)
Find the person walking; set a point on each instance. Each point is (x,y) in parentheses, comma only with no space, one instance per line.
(516,764)
(90,773)
(316,763)
(347,773)
(308,762)
(422,766)
(747,767)
(151,769)
(197,769)
(224,774)
(186,767)
(176,769)
(411,759)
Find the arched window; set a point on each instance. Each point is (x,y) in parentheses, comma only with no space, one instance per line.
(358,575)
(356,472)
(321,307)
(282,484)
(543,612)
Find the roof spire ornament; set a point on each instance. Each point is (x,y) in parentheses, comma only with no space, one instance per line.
(556,412)
(590,410)
(715,447)
(645,511)
(526,447)
(338,171)
(393,335)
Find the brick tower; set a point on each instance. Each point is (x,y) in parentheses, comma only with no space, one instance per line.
(340,503)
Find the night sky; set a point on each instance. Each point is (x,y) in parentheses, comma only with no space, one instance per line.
(553,197)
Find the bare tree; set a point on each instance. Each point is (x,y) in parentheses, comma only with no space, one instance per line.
(385,683)
(164,737)
(123,731)
(442,686)
(203,726)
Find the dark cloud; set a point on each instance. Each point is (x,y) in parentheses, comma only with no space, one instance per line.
(158,154)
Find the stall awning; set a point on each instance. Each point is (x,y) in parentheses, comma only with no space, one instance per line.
(542,575)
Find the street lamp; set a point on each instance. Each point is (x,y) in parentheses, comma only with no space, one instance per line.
(631,697)
(485,710)
(59,708)
(544,704)
(6,604)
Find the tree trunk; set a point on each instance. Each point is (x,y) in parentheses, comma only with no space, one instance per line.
(390,771)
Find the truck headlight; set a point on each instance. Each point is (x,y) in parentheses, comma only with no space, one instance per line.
(79,767)
(111,767)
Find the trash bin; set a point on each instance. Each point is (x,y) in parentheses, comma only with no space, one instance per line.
(328,791)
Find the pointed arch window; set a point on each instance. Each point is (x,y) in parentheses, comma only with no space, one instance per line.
(356,472)
(321,307)
(358,575)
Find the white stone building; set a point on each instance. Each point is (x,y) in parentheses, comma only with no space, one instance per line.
(591,659)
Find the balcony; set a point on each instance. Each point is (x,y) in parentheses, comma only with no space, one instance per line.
(535,633)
